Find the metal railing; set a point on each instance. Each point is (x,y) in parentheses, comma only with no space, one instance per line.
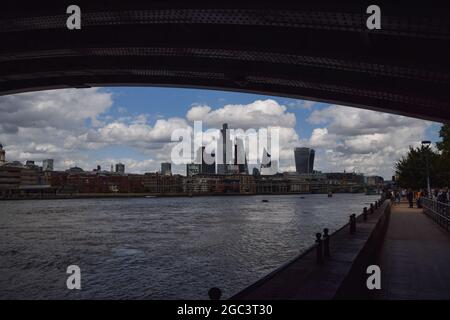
(439,212)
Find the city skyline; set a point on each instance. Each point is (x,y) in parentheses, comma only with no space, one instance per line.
(90,127)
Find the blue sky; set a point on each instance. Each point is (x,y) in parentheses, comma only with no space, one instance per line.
(170,102)
(87,127)
(175,102)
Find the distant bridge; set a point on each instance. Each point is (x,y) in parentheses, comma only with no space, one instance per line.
(319,50)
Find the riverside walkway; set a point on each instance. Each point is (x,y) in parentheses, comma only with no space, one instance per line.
(340,276)
(411,248)
(415,257)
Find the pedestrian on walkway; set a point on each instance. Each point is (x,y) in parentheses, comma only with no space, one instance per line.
(419,198)
(442,196)
(397,197)
(410,197)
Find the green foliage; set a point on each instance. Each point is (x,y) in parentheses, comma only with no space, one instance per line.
(444,145)
(412,171)
(412,168)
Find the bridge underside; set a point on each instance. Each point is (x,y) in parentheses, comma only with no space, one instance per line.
(318,50)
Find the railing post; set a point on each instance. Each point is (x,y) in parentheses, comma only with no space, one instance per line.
(352,224)
(214,293)
(365,213)
(326,243)
(319,248)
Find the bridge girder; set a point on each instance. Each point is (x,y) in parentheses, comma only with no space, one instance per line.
(318,50)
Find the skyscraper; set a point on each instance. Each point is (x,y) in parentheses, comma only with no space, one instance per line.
(47,165)
(225,151)
(268,167)
(304,160)
(207,167)
(240,158)
(2,155)
(192,169)
(120,168)
(166,169)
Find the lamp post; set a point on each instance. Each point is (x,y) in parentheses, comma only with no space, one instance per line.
(427,144)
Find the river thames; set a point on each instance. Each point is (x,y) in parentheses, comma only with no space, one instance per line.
(158,248)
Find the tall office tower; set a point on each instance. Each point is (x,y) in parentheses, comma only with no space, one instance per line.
(166,169)
(47,165)
(120,168)
(304,160)
(208,162)
(192,169)
(239,156)
(2,155)
(225,151)
(266,164)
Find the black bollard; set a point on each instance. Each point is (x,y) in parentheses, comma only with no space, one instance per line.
(371,208)
(352,224)
(376,204)
(214,293)
(319,248)
(326,243)
(365,213)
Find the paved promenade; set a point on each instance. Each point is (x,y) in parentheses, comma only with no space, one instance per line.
(303,278)
(415,257)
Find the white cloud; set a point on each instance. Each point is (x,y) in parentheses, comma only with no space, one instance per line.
(70,125)
(258,114)
(60,109)
(362,140)
(261,113)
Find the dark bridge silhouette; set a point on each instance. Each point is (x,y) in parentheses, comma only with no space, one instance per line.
(319,50)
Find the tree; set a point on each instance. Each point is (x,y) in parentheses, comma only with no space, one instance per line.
(411,169)
(444,161)
(444,145)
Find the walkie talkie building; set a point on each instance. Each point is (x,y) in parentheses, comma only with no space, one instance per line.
(304,160)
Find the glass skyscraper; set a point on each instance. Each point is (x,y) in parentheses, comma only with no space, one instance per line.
(304,160)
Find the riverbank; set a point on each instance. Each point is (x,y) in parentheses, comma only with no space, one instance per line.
(144,195)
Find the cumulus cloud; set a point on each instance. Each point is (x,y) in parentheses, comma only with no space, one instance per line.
(67,124)
(60,109)
(266,114)
(362,140)
(140,133)
(71,125)
(261,113)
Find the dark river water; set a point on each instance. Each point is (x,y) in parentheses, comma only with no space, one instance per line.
(158,248)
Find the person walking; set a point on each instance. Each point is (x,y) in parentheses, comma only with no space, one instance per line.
(397,197)
(419,198)
(410,197)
